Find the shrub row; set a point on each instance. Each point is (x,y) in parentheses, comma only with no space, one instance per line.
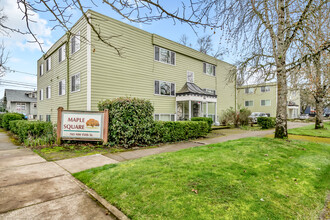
(266,122)
(6,118)
(26,130)
(208,120)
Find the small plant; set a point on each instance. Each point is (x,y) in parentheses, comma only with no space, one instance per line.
(237,117)
(266,122)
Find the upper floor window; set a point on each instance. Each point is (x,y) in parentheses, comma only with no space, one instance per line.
(249,90)
(164,88)
(20,106)
(211,91)
(61,87)
(265,102)
(61,54)
(41,94)
(48,64)
(264,88)
(164,55)
(190,77)
(75,83)
(48,92)
(248,103)
(75,43)
(41,69)
(209,69)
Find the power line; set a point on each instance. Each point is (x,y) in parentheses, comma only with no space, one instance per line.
(17,82)
(18,71)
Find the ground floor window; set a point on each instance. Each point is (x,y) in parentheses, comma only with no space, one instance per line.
(40,118)
(248,103)
(20,106)
(164,117)
(47,117)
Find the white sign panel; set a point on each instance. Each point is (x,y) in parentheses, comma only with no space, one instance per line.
(82,125)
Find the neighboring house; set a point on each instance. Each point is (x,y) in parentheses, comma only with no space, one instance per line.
(21,101)
(179,81)
(263,98)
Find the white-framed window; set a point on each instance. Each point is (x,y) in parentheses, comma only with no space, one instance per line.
(264,88)
(265,102)
(61,87)
(20,106)
(48,92)
(165,56)
(248,103)
(49,64)
(48,118)
(41,69)
(34,105)
(165,117)
(249,90)
(209,69)
(75,83)
(75,43)
(61,53)
(164,88)
(211,91)
(41,94)
(190,76)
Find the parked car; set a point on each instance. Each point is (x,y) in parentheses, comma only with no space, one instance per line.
(304,116)
(253,117)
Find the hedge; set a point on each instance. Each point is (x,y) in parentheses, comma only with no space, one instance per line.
(31,129)
(6,118)
(266,122)
(208,120)
(172,131)
(1,116)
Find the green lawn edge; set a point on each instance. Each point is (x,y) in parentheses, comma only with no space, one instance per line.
(310,130)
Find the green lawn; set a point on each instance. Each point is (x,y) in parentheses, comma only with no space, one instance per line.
(310,131)
(251,178)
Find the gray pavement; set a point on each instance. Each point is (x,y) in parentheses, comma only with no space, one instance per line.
(32,188)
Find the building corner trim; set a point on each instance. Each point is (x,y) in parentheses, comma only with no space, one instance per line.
(89,66)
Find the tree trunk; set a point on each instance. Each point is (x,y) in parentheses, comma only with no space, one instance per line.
(281,130)
(319,116)
(319,95)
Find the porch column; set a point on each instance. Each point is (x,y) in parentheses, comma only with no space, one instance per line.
(216,115)
(189,110)
(207,109)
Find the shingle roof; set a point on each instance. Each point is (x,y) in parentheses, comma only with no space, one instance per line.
(18,96)
(192,88)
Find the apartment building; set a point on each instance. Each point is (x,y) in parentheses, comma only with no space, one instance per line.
(263,98)
(179,81)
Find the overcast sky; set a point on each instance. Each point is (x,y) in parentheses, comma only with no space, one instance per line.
(23,55)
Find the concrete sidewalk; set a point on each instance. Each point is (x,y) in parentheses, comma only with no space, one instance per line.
(32,188)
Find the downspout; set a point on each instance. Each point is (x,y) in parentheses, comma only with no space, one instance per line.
(67,54)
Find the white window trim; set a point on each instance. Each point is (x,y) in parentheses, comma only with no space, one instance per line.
(205,73)
(265,89)
(63,53)
(20,104)
(162,114)
(248,105)
(41,94)
(49,91)
(41,69)
(76,50)
(249,89)
(159,56)
(170,91)
(49,65)
(270,102)
(62,87)
(71,83)
(193,76)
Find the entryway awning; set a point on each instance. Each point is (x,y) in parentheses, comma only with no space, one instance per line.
(192,92)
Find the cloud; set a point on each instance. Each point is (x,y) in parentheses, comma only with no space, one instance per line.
(15,20)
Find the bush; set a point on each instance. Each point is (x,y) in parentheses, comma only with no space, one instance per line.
(32,130)
(244,114)
(6,118)
(130,121)
(266,122)
(238,117)
(208,120)
(1,116)
(172,131)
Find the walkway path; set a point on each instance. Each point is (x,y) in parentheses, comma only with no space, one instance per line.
(32,188)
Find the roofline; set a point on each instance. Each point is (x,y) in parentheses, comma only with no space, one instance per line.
(257,85)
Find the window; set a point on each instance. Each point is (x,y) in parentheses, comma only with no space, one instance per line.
(40,118)
(41,69)
(249,90)
(61,54)
(20,106)
(41,94)
(164,55)
(75,83)
(61,87)
(190,77)
(248,103)
(164,117)
(34,105)
(209,69)
(211,91)
(48,118)
(265,88)
(265,102)
(48,64)
(164,88)
(48,92)
(75,43)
